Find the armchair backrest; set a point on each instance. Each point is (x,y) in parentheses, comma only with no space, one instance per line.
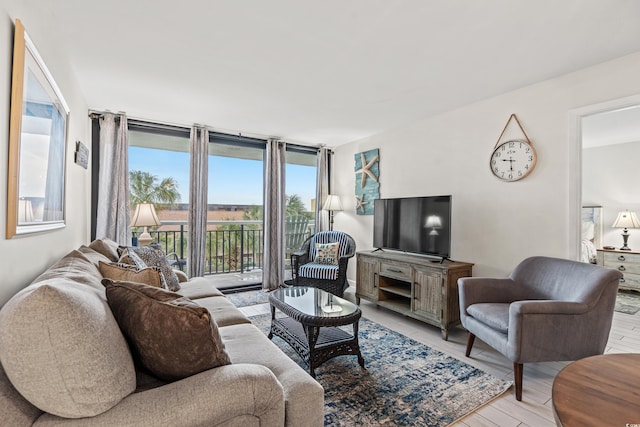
(346,242)
(561,279)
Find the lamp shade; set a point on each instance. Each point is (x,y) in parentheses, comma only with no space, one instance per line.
(144,216)
(332,203)
(626,219)
(433,221)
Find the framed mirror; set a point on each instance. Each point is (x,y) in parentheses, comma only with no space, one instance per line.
(37,143)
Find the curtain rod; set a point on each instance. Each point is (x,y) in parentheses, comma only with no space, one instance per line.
(95,114)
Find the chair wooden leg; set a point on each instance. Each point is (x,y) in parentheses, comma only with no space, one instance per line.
(517,375)
(470,339)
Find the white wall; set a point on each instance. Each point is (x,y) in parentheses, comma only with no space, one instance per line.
(610,177)
(495,224)
(23,258)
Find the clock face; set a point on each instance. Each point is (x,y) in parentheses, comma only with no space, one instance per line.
(513,160)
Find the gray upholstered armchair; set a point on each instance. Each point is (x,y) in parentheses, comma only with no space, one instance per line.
(548,309)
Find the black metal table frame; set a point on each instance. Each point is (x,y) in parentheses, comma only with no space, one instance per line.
(315,339)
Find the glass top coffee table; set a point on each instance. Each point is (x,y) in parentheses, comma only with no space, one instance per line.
(311,327)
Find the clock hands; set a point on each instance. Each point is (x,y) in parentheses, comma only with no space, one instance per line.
(511,160)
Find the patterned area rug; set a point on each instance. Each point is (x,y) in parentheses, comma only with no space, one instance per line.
(405,383)
(628,302)
(243,299)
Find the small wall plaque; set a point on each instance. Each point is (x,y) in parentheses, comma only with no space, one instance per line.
(81,155)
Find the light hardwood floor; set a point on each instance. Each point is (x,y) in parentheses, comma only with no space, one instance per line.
(535,408)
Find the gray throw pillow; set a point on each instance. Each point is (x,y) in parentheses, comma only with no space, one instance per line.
(170,335)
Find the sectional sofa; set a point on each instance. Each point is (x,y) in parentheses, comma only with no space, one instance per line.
(65,361)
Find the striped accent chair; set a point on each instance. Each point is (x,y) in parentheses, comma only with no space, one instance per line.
(327,276)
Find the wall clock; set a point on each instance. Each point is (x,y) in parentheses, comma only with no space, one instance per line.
(513,159)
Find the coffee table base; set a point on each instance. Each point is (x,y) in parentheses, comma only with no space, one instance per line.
(316,344)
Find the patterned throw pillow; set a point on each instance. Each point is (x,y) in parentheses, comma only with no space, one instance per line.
(327,253)
(151,256)
(149,275)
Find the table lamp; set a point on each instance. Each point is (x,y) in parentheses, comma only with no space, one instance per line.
(332,204)
(626,220)
(145,216)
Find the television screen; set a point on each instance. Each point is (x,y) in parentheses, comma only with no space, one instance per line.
(414,224)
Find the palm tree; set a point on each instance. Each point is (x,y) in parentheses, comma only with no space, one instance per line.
(146,187)
(295,206)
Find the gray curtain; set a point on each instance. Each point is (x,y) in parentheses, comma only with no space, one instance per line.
(322,189)
(113,182)
(274,213)
(198,178)
(54,187)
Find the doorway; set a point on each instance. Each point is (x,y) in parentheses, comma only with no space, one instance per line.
(600,135)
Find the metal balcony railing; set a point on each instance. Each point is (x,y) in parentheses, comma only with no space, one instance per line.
(231,246)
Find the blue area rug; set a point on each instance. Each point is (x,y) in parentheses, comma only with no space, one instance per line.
(404,383)
(243,299)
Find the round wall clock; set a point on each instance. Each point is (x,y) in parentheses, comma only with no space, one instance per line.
(513,160)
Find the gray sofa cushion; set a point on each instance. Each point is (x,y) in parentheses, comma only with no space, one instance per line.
(223,311)
(93,256)
(304,396)
(106,247)
(76,267)
(199,287)
(173,337)
(494,315)
(63,351)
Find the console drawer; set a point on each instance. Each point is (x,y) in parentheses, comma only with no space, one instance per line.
(396,270)
(626,263)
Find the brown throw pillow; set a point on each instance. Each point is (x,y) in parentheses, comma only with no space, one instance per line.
(151,256)
(149,275)
(171,336)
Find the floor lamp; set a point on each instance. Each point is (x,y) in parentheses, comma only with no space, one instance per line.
(332,204)
(145,216)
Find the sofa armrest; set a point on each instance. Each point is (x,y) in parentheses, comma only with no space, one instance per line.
(243,391)
(547,307)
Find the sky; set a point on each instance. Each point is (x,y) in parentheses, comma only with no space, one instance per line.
(231,180)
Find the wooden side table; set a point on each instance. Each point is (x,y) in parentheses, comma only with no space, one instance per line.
(598,391)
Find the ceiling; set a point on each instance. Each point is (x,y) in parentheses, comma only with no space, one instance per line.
(619,126)
(330,71)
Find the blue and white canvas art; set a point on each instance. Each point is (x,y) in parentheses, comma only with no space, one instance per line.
(367,180)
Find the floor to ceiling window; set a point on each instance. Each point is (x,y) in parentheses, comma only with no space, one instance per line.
(235,214)
(159,160)
(301,175)
(159,174)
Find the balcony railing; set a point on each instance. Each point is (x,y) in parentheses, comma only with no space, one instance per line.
(230,247)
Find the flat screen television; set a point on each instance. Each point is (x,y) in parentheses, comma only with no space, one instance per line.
(413,224)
